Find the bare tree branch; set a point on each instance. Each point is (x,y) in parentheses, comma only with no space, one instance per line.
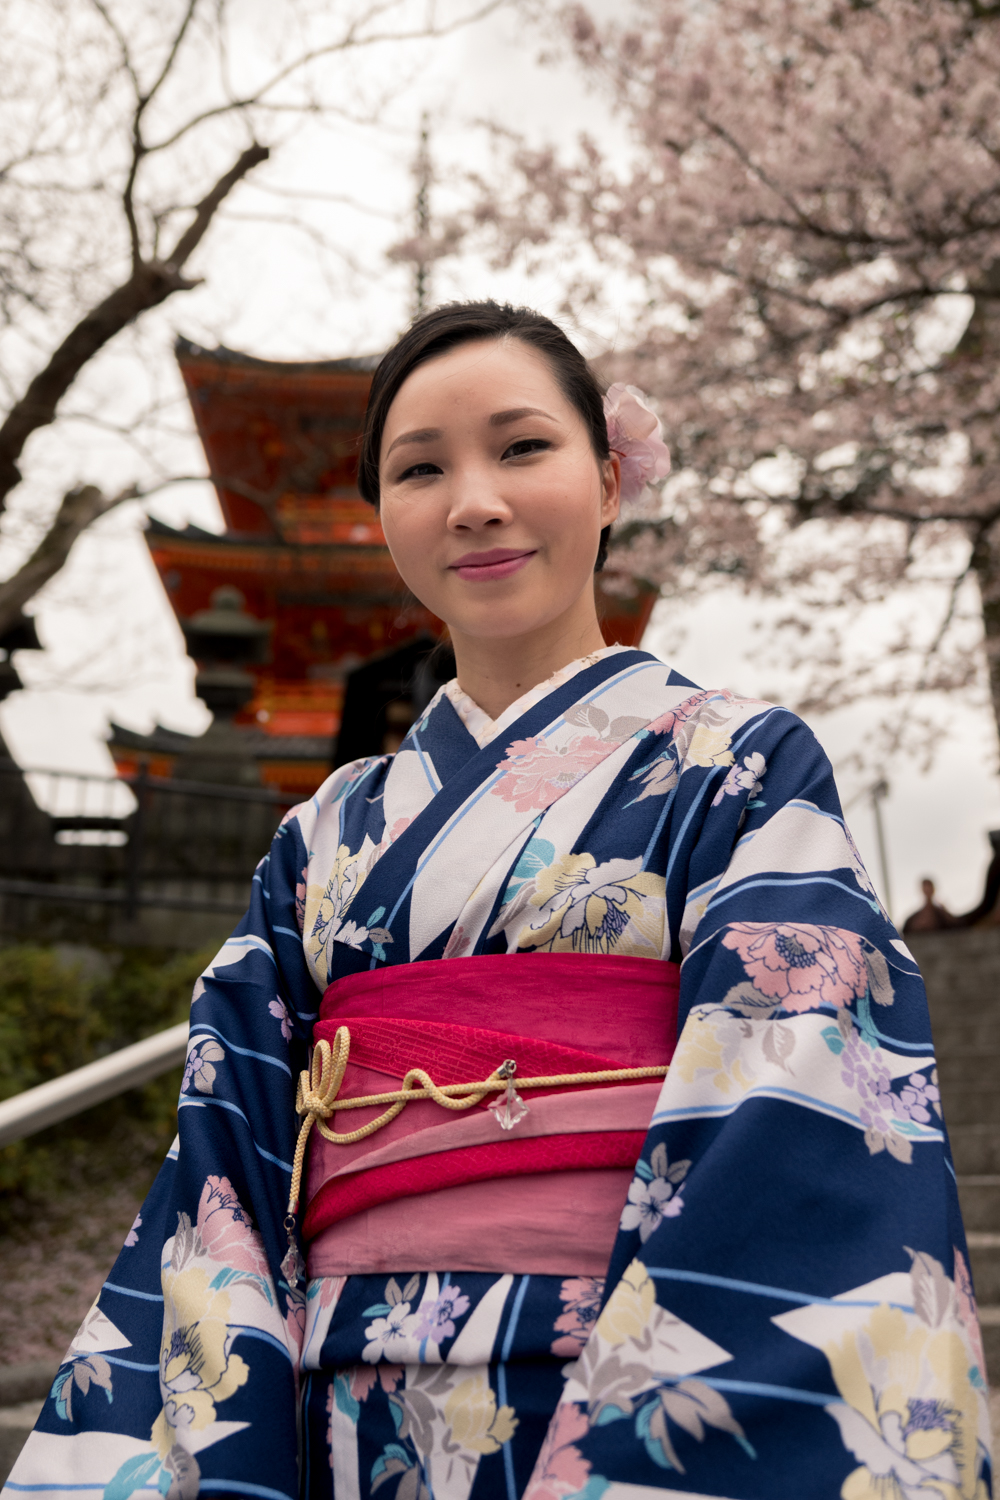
(150,284)
(80,507)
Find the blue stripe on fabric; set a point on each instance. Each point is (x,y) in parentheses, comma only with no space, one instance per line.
(225,1104)
(740,886)
(808,1101)
(240,1487)
(759,1289)
(515,1313)
(288,932)
(131,1364)
(433,779)
(243,1051)
(260,1333)
(208,1486)
(246,941)
(126,1291)
(757,1388)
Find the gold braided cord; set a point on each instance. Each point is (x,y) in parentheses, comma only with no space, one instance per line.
(316,1096)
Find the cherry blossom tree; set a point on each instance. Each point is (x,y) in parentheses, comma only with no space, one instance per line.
(125,127)
(811,218)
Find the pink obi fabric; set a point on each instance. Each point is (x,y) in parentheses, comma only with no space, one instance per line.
(434,1189)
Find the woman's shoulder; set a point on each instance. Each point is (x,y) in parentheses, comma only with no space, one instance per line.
(355,777)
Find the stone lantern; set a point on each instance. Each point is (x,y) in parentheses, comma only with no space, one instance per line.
(224,640)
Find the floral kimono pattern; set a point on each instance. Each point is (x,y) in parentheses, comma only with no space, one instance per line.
(788,1309)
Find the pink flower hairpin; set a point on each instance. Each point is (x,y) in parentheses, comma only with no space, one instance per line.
(634,434)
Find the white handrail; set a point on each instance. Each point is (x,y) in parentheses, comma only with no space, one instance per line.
(74,1092)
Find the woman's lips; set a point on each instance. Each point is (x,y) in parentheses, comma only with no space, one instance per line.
(482,567)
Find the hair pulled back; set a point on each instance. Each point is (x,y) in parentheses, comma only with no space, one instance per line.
(457,323)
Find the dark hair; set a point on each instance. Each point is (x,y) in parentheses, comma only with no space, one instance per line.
(458,323)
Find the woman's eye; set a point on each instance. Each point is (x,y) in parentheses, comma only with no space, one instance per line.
(419,471)
(524,446)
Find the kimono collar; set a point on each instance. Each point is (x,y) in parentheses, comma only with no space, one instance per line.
(483,728)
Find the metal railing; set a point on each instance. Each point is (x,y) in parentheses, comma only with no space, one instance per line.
(132,842)
(74,1092)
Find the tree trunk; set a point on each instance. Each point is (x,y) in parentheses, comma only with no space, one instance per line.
(979,350)
(986,566)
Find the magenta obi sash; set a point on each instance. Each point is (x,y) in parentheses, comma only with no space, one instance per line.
(459,1019)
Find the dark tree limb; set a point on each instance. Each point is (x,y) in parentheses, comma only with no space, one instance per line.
(80,506)
(150,283)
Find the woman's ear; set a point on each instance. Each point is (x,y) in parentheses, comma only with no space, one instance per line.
(611,484)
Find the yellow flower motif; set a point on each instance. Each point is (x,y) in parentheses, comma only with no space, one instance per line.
(471,1412)
(911,1411)
(628,1308)
(709,747)
(614,907)
(196,1367)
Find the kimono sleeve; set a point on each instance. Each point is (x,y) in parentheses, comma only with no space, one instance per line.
(789,1306)
(183,1375)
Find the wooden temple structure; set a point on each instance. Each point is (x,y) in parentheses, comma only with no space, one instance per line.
(310,651)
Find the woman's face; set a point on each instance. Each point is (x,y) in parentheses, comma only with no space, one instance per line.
(492,500)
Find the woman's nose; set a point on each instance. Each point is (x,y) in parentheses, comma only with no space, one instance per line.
(475,503)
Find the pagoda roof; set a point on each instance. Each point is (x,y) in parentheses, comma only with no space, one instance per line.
(259,743)
(281,436)
(186,349)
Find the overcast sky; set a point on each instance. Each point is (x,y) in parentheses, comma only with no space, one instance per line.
(113,648)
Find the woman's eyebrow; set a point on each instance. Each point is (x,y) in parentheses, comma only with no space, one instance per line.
(502,418)
(421,435)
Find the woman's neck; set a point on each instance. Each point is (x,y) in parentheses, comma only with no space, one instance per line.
(495,673)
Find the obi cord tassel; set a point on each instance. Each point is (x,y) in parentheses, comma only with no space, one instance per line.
(316,1100)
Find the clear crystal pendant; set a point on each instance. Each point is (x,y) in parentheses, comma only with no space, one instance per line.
(292,1266)
(509,1107)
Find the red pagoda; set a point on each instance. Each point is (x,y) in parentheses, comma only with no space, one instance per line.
(297,603)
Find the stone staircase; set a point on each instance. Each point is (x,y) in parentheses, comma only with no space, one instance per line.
(962,974)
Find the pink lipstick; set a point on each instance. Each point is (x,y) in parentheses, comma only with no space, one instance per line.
(500,562)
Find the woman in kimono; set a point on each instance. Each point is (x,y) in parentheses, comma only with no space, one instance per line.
(696,1231)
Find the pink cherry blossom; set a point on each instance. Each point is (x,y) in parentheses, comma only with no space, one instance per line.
(808,188)
(634,434)
(799,963)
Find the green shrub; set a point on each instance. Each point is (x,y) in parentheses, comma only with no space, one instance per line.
(61,1008)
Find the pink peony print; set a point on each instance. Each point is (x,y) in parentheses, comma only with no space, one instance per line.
(132,1238)
(536,774)
(561,1468)
(582,1297)
(801,964)
(670,721)
(227,1232)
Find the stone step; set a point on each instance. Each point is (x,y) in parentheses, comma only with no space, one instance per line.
(975,1148)
(966,1038)
(967,1104)
(984,1255)
(989,1322)
(15,1424)
(980,1200)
